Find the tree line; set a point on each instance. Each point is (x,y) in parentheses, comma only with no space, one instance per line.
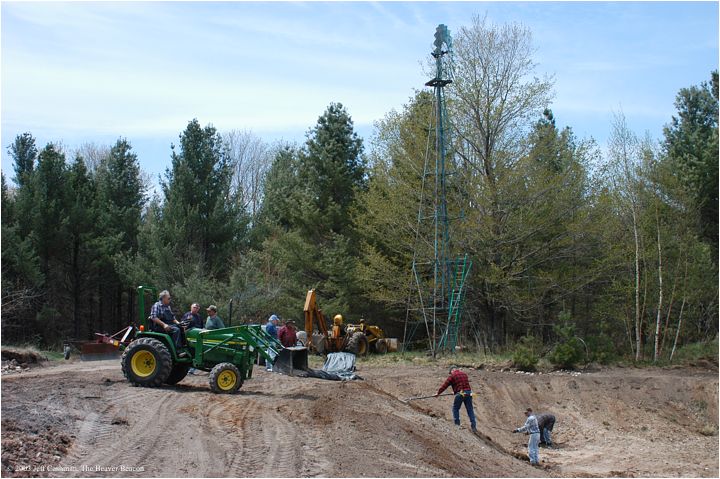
(617,245)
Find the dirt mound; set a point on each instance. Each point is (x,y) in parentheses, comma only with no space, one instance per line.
(662,416)
(21,356)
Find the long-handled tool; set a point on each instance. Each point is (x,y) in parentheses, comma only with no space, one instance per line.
(426,397)
(500,428)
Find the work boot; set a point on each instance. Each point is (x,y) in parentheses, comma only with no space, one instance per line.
(474,429)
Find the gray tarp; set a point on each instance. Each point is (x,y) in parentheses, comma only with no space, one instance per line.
(294,362)
(339,363)
(337,367)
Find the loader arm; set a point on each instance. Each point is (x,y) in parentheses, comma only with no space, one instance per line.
(313,314)
(266,346)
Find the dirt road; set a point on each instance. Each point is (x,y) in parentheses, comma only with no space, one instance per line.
(83,419)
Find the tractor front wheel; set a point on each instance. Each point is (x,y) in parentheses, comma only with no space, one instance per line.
(146,362)
(225,378)
(381,346)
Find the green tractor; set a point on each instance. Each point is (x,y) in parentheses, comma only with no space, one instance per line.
(150,359)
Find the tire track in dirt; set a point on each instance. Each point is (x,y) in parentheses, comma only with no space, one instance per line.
(273,439)
(103,444)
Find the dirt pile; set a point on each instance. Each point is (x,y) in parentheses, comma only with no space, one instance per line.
(16,360)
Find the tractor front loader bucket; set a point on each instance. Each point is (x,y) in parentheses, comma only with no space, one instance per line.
(291,360)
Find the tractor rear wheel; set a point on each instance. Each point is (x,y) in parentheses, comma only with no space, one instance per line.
(225,378)
(358,344)
(146,362)
(178,373)
(381,346)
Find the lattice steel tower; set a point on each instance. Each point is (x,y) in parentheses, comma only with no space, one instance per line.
(437,290)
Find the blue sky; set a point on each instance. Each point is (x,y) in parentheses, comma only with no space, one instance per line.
(93,72)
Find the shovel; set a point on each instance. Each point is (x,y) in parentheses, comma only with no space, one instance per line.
(426,397)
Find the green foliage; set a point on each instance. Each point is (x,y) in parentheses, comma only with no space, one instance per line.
(691,143)
(569,350)
(306,227)
(332,168)
(550,223)
(201,218)
(23,152)
(525,357)
(700,350)
(601,348)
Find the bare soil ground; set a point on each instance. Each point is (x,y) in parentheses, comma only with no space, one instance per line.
(82,419)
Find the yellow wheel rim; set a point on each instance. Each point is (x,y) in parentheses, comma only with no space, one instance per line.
(143,363)
(226,380)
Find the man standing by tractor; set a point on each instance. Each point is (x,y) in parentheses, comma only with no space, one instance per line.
(271,327)
(213,320)
(163,321)
(287,334)
(463,394)
(532,428)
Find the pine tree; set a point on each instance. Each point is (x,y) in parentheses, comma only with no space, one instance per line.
(82,259)
(24,153)
(691,142)
(332,167)
(202,219)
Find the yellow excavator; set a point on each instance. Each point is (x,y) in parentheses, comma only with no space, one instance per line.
(358,339)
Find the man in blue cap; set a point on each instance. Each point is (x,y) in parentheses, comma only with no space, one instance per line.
(271,326)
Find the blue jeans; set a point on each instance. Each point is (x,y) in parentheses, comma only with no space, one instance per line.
(533,445)
(176,333)
(459,400)
(546,438)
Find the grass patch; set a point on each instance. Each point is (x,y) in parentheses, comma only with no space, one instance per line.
(707,350)
(462,358)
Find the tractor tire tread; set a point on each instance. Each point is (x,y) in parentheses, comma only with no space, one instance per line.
(215,372)
(162,355)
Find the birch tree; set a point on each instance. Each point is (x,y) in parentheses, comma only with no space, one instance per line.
(624,167)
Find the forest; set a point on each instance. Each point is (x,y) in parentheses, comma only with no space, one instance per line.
(615,244)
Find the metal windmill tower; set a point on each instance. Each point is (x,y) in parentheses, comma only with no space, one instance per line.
(437,291)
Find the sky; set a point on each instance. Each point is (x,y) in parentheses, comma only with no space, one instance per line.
(86,72)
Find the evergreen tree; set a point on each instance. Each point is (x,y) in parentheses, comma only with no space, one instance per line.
(691,142)
(81,261)
(21,277)
(307,218)
(202,219)
(48,215)
(24,152)
(332,167)
(121,197)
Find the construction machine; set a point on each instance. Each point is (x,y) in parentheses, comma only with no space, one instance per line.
(376,340)
(358,339)
(150,358)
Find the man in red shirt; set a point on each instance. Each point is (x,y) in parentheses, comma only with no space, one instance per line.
(463,394)
(287,334)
